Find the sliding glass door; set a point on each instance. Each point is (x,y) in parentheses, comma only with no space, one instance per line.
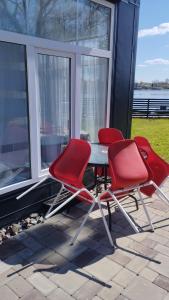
(14,121)
(55,105)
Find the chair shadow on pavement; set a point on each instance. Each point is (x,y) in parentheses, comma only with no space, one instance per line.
(46,247)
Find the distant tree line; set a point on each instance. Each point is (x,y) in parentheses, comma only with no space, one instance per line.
(152,85)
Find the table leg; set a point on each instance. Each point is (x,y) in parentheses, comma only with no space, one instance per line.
(105,177)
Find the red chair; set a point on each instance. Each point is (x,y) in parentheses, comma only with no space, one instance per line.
(129,173)
(68,169)
(158,166)
(107,136)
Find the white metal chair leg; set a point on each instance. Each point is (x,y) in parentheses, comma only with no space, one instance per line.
(105,224)
(32,188)
(83,223)
(54,202)
(145,209)
(125,214)
(63,204)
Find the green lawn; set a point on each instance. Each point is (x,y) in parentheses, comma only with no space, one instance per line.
(157,132)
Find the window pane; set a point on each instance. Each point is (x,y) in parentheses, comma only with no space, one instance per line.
(54,87)
(73,21)
(94,74)
(54,19)
(14,133)
(93,24)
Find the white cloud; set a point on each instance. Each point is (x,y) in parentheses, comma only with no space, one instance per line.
(157,61)
(163,28)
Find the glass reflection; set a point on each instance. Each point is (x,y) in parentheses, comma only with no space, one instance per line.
(81,22)
(94,74)
(14,131)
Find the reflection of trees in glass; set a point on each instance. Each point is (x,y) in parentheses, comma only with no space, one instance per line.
(62,20)
(45,18)
(93,24)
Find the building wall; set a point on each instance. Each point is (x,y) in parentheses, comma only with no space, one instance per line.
(123,66)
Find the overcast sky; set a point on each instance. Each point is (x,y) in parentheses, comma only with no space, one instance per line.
(153,41)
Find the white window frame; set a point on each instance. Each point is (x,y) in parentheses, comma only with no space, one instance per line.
(55,48)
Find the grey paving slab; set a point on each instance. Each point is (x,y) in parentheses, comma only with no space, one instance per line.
(70,278)
(162,282)
(7,294)
(141,289)
(111,292)
(103,269)
(88,290)
(33,295)
(39,263)
(124,277)
(60,295)
(162,267)
(20,286)
(41,283)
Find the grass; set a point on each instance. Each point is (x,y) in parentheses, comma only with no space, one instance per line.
(157,132)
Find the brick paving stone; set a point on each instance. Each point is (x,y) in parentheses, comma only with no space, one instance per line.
(110,293)
(70,252)
(159,239)
(162,267)
(148,274)
(70,279)
(141,289)
(27,271)
(162,282)
(7,276)
(88,290)
(121,297)
(33,295)
(55,240)
(20,286)
(7,294)
(142,249)
(60,295)
(162,249)
(124,277)
(32,244)
(56,259)
(149,243)
(10,247)
(162,232)
(159,205)
(119,257)
(86,257)
(41,283)
(137,264)
(4,267)
(103,269)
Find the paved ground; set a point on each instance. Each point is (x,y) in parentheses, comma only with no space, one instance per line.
(39,263)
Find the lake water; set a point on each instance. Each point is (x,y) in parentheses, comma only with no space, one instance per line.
(151,94)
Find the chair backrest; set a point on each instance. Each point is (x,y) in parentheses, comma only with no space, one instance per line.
(108,136)
(158,166)
(126,165)
(70,166)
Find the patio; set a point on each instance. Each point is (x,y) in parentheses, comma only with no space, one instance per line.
(39,263)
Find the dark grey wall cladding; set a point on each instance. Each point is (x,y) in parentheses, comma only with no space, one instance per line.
(12,209)
(123,66)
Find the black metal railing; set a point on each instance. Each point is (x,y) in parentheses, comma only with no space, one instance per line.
(150,108)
